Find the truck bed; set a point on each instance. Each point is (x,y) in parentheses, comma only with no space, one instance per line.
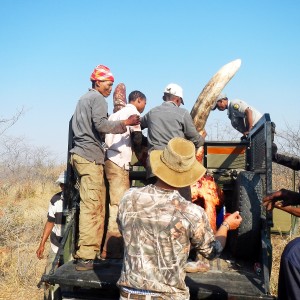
(243,169)
(235,280)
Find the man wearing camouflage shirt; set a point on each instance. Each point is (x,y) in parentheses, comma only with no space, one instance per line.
(159,227)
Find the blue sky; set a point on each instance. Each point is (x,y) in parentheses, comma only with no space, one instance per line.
(49,49)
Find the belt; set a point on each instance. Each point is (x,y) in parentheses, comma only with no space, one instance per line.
(138,296)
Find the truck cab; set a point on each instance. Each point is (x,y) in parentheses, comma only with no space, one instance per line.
(243,169)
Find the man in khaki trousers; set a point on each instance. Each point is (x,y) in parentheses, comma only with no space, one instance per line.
(89,124)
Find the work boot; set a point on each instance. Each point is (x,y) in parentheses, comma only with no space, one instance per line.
(84,264)
(89,264)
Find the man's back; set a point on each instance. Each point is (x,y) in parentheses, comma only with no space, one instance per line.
(157,226)
(167,121)
(236,113)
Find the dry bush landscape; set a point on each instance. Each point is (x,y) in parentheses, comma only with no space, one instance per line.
(23,212)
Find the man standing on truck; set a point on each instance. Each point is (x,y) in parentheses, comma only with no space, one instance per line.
(242,116)
(167,121)
(159,226)
(89,124)
(117,163)
(289,272)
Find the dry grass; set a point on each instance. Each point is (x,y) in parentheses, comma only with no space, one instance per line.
(23,214)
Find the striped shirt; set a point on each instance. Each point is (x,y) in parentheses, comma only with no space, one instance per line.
(55,214)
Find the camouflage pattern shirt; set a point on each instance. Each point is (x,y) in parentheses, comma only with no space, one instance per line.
(158,227)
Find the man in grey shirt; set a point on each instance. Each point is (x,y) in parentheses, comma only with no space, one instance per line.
(242,116)
(167,121)
(89,124)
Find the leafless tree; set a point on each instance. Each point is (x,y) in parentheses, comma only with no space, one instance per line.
(288,143)
(221,131)
(20,161)
(288,140)
(6,123)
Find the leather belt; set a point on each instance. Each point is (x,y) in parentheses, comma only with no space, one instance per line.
(138,296)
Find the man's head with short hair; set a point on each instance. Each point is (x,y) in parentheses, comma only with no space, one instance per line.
(138,99)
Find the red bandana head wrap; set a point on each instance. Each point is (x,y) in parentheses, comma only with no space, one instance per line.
(102,73)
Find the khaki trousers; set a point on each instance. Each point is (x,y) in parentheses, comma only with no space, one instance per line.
(92,206)
(118,181)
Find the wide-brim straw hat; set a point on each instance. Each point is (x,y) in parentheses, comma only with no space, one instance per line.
(177,165)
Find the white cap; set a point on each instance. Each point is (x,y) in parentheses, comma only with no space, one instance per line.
(220,97)
(62,178)
(174,89)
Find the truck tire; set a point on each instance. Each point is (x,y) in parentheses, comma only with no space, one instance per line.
(245,242)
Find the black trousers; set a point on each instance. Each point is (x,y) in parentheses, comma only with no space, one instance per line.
(289,273)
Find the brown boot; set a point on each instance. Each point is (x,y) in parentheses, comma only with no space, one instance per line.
(89,264)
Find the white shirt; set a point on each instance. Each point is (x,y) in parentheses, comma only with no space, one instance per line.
(119,145)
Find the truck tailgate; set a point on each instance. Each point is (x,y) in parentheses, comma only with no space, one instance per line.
(225,280)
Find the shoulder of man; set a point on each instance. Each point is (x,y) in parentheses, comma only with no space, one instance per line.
(91,94)
(56,197)
(172,105)
(191,211)
(126,112)
(237,104)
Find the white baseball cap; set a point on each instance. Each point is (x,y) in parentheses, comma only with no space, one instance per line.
(174,89)
(62,178)
(220,97)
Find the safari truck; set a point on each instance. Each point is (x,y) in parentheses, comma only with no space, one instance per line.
(243,169)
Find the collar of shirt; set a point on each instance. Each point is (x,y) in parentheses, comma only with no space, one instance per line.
(131,105)
(170,103)
(228,110)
